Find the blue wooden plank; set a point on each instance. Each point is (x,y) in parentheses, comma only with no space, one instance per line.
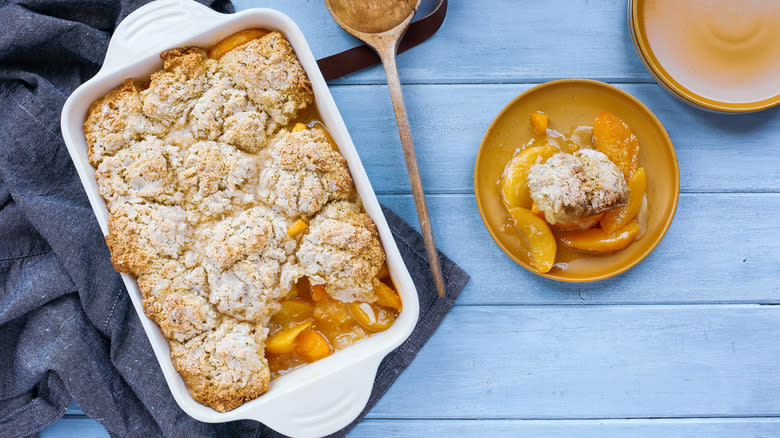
(495,41)
(75,427)
(687,428)
(670,428)
(84,427)
(716,152)
(721,248)
(573,362)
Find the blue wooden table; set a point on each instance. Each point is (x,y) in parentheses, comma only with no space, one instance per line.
(683,345)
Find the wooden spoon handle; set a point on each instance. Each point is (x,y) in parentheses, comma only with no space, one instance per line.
(394,85)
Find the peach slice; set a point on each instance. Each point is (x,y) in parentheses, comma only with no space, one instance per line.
(345,339)
(331,313)
(597,240)
(292,310)
(371,317)
(387,297)
(617,217)
(297,228)
(642,218)
(539,123)
(538,236)
(232,41)
(299,127)
(318,292)
(614,138)
(384,272)
(283,341)
(312,346)
(514,180)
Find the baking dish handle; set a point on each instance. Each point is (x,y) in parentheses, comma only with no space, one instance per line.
(329,405)
(149,28)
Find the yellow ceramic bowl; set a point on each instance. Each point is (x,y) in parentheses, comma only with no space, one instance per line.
(720,55)
(571,102)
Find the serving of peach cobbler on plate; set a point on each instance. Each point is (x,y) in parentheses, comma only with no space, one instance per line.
(576,180)
(583,190)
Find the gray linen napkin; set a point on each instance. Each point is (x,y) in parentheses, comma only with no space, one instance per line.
(67,328)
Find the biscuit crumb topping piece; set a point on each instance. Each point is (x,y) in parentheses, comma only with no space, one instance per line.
(304,173)
(269,71)
(342,251)
(224,367)
(142,237)
(243,257)
(173,91)
(570,187)
(116,120)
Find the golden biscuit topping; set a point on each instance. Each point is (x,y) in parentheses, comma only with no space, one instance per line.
(304,173)
(204,178)
(570,187)
(341,251)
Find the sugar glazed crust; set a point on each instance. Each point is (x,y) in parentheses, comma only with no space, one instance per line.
(203,176)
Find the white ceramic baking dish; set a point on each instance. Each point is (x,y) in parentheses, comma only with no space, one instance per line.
(319,398)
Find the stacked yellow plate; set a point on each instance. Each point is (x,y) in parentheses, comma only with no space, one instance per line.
(721,55)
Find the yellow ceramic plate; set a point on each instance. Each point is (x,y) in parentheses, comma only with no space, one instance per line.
(571,102)
(722,55)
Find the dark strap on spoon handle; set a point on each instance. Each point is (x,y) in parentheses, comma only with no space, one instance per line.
(360,57)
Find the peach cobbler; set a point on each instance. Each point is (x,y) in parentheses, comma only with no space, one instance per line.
(583,190)
(235,211)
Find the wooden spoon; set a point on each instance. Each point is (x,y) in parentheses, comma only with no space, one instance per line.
(381,24)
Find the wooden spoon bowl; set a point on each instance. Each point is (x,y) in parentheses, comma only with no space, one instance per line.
(371,16)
